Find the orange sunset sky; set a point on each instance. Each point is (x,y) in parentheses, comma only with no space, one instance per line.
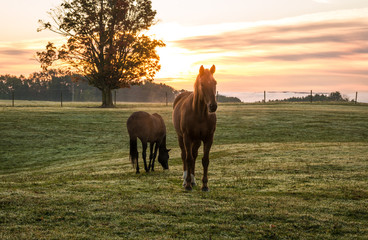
(275,45)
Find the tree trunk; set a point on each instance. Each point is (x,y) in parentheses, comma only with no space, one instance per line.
(107,98)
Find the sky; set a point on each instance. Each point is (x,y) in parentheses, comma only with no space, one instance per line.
(272,45)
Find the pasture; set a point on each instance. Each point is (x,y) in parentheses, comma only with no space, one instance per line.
(277,171)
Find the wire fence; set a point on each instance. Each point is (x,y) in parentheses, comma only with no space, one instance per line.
(300,96)
(123,95)
(66,96)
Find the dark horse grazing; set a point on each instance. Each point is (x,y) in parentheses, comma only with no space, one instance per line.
(152,129)
(194,120)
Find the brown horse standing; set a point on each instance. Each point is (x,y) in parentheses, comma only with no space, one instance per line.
(194,120)
(152,129)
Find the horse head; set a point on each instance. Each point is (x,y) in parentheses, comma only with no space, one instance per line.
(163,157)
(206,87)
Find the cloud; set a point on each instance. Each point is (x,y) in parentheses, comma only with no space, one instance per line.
(15,52)
(311,54)
(16,59)
(19,57)
(318,82)
(325,32)
(326,54)
(299,43)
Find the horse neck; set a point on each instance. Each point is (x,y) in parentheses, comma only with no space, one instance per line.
(163,143)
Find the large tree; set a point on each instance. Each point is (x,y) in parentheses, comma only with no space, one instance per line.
(105,42)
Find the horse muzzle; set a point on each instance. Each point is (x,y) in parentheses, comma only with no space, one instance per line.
(212,107)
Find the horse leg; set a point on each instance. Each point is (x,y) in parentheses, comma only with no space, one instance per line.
(205,162)
(189,161)
(137,168)
(183,156)
(151,155)
(154,157)
(196,145)
(134,153)
(144,146)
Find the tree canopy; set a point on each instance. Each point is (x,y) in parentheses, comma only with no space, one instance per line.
(105,42)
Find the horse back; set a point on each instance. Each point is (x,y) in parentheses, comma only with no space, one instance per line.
(179,101)
(146,127)
(180,97)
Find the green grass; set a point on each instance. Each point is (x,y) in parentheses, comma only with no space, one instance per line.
(277,171)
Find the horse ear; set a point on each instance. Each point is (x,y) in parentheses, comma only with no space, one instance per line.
(213,69)
(201,70)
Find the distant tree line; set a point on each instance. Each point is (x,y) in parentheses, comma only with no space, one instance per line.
(47,87)
(222,98)
(51,85)
(332,97)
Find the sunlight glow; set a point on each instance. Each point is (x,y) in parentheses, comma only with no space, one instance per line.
(319,50)
(321,47)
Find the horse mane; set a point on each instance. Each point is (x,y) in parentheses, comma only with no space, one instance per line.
(197,95)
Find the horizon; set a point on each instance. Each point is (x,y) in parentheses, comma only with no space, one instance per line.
(312,44)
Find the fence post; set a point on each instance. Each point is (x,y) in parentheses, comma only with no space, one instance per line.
(356,97)
(61,98)
(264,96)
(167,103)
(13,98)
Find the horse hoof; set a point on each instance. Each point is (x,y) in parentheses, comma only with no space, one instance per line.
(205,189)
(188,188)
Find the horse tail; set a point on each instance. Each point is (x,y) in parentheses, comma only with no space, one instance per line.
(133,154)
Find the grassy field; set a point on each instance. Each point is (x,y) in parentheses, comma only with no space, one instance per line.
(277,171)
